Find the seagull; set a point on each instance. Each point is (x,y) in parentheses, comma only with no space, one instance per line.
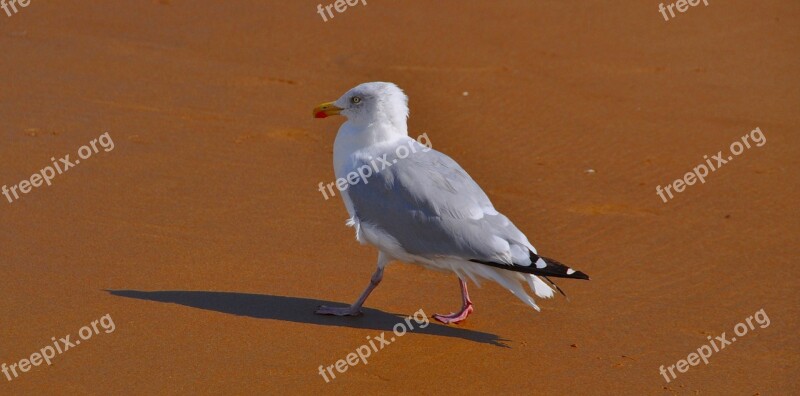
(417,205)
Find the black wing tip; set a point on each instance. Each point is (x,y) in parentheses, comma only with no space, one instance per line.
(557,269)
(580,275)
(554,268)
(563,273)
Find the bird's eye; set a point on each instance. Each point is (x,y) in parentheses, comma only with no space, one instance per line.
(355,100)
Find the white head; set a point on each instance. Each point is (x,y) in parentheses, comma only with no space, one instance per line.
(369,104)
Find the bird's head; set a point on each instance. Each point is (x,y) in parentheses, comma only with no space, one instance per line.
(369,103)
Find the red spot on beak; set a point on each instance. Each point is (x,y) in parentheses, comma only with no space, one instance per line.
(320,114)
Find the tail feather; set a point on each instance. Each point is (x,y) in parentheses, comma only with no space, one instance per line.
(556,286)
(541,289)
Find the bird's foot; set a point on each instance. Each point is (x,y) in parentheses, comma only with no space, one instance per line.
(338,311)
(456,317)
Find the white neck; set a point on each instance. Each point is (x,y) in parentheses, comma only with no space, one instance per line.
(353,137)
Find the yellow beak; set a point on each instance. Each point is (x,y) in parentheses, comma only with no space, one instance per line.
(326,109)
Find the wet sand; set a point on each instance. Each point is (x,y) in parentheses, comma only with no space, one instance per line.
(203,235)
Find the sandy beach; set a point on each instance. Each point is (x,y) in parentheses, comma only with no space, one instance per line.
(188,250)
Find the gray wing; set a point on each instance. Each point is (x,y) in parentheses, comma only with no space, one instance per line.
(433,208)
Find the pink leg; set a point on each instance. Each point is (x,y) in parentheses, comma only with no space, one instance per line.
(355,309)
(466,308)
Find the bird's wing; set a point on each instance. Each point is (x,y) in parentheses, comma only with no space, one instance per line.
(432,207)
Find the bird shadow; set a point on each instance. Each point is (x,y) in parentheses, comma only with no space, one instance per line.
(301,310)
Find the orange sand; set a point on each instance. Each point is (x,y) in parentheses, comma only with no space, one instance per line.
(204,237)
